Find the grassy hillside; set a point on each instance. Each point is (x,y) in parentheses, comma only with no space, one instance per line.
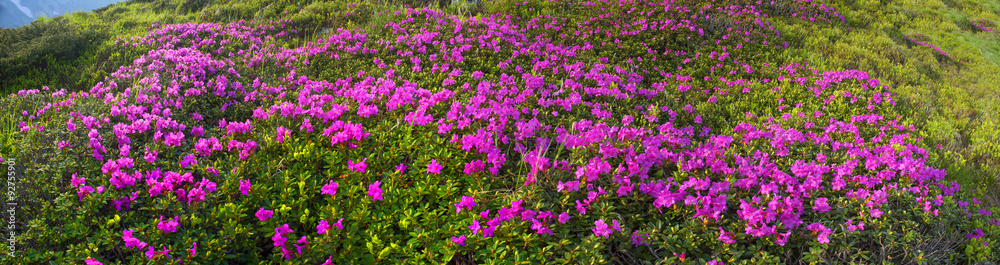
(635,132)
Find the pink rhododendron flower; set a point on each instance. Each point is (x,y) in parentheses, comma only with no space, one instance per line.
(77,181)
(285,253)
(198,131)
(820,205)
(375,191)
(358,167)
(245,186)
(306,125)
(564,217)
(823,236)
(329,188)
(196,195)
(475,227)
(281,134)
(434,167)
(174,139)
(91,261)
(823,232)
(279,235)
(263,215)
(977,233)
(150,155)
(188,161)
(782,238)
(458,240)
(322,227)
(726,237)
(581,207)
(467,201)
(132,241)
(876,213)
(852,227)
(639,238)
(169,225)
(339,224)
(194,249)
(601,229)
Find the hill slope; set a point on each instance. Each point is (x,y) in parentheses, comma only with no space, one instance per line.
(528,132)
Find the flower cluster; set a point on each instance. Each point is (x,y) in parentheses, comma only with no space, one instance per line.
(920,39)
(984,25)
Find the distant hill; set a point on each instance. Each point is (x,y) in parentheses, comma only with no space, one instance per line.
(15,13)
(10,16)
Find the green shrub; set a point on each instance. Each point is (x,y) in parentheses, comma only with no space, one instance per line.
(38,46)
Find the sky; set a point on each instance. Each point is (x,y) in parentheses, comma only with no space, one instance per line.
(14,13)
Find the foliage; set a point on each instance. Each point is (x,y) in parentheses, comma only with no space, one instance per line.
(512,132)
(43,50)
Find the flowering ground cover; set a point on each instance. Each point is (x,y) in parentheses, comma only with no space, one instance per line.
(608,132)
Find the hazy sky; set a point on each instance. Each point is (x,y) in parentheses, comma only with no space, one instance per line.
(14,13)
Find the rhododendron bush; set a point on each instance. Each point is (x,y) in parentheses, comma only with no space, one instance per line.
(615,131)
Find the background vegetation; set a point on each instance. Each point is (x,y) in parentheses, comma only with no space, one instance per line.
(939,57)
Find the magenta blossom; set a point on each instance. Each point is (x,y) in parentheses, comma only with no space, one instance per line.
(279,235)
(150,155)
(281,134)
(188,161)
(639,238)
(174,139)
(152,252)
(358,167)
(196,195)
(467,201)
(63,144)
(475,227)
(132,241)
(263,215)
(458,240)
(245,186)
(91,261)
(375,191)
(852,227)
(820,205)
(330,188)
(602,229)
(563,217)
(726,237)
(823,232)
(434,167)
(169,225)
(322,227)
(339,224)
(194,249)
(76,181)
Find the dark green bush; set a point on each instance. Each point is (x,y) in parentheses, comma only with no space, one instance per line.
(38,48)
